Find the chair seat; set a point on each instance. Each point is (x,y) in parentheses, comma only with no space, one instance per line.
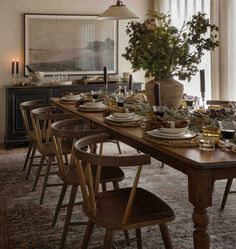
(147,209)
(49,148)
(107,174)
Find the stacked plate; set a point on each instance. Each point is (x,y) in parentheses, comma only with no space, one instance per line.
(71,98)
(93,106)
(123,117)
(185,134)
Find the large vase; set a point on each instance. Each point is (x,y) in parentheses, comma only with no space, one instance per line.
(171,92)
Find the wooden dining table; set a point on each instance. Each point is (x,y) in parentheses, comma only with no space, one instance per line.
(202,168)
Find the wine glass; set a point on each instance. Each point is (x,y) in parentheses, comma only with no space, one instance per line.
(96,94)
(120,100)
(227,130)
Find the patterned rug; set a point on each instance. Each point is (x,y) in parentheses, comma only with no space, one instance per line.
(24,224)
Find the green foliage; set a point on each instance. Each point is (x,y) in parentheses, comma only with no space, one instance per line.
(162,50)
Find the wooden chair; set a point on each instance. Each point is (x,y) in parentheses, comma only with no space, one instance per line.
(71,129)
(229,181)
(120,209)
(25,108)
(42,118)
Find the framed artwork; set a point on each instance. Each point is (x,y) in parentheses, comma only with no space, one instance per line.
(71,44)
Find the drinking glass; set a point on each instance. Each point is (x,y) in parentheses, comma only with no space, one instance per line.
(159,110)
(227,130)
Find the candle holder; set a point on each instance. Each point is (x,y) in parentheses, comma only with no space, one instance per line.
(13,79)
(203,99)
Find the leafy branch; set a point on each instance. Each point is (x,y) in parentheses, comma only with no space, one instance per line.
(162,50)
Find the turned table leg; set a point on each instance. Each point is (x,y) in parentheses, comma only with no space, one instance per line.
(200,195)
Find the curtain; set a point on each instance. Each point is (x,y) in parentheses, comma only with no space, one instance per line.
(224,58)
(181,10)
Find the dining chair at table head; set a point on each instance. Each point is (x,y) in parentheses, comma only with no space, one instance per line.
(224,103)
(68,130)
(25,108)
(42,118)
(120,209)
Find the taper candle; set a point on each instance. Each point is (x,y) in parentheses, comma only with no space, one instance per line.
(157,94)
(130,82)
(202,81)
(105,79)
(13,66)
(17,66)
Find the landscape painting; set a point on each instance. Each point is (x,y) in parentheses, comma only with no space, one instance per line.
(71,44)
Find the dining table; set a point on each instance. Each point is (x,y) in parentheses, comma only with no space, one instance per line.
(202,168)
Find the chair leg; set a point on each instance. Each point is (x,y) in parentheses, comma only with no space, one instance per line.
(162,165)
(38,173)
(31,160)
(59,204)
(46,179)
(139,238)
(165,236)
(116,185)
(28,155)
(108,239)
(73,193)
(87,235)
(104,187)
(226,193)
(118,146)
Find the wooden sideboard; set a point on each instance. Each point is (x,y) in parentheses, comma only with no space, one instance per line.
(15,131)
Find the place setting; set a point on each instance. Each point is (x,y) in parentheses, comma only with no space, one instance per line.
(168,131)
(92,103)
(71,98)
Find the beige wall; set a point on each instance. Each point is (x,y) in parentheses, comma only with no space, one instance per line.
(12,40)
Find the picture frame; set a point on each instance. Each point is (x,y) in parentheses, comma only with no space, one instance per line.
(70,44)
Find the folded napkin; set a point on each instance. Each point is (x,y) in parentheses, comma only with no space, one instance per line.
(156,122)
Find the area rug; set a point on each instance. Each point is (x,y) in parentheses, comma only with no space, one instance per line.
(25,224)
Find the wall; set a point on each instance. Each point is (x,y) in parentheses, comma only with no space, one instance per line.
(12,30)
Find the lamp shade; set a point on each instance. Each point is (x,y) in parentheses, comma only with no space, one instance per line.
(117,12)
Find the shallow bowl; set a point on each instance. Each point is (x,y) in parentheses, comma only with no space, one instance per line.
(173,130)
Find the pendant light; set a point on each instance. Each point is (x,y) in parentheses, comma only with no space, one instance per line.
(117,12)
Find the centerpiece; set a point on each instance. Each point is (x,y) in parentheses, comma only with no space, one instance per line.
(164,51)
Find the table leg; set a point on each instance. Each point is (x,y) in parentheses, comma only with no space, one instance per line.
(200,195)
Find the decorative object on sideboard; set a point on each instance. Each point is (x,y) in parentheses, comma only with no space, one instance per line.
(117,12)
(35,78)
(164,51)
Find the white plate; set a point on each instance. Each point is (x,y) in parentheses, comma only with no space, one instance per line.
(121,120)
(71,98)
(158,131)
(185,135)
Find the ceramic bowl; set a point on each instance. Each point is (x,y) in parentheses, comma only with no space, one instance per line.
(173,130)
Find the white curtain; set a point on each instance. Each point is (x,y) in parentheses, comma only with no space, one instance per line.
(224,58)
(181,10)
